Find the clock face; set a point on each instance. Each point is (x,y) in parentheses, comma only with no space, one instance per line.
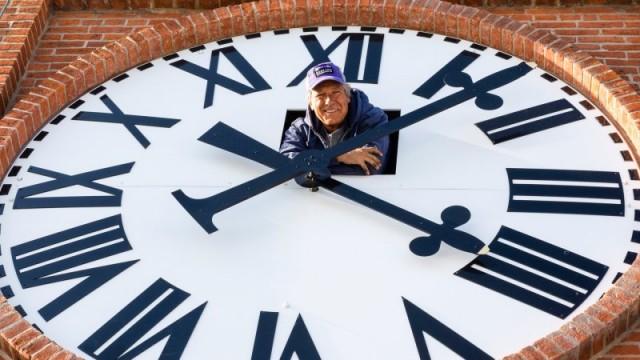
(95,239)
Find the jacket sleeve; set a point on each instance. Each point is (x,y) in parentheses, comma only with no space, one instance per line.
(375,117)
(372,117)
(295,140)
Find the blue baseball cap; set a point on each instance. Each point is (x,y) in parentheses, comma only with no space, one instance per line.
(323,72)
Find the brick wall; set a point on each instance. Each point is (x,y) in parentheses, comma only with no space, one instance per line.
(626,348)
(610,34)
(74,33)
(20,28)
(212,4)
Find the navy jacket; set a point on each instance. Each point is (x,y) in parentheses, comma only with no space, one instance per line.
(304,133)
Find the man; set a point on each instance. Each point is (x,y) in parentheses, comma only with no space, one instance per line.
(336,112)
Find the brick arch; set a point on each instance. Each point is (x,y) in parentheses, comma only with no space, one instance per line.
(584,336)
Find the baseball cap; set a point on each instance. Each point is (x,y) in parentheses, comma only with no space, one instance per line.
(323,72)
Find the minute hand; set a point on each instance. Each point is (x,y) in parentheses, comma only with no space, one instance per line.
(470,91)
(204,209)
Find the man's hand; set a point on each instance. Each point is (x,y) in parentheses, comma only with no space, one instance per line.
(364,157)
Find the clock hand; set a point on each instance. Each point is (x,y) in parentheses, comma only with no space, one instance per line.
(229,139)
(203,210)
(479,90)
(452,217)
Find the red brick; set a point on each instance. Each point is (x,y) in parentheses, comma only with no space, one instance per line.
(452,20)
(59,97)
(68,29)
(110,29)
(300,9)
(11,317)
(9,144)
(15,329)
(601,24)
(163,3)
(547,347)
(90,22)
(440,17)
(530,353)
(427,19)
(96,36)
(225,29)
(625,349)
(152,38)
(46,352)
(37,344)
(337,14)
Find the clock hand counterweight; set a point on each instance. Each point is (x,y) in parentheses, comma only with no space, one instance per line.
(229,139)
(204,209)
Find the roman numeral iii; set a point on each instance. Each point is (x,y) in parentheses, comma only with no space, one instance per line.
(565,192)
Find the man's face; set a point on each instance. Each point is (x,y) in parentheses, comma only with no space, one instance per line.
(330,103)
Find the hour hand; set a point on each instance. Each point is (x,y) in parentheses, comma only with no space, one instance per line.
(203,210)
(227,138)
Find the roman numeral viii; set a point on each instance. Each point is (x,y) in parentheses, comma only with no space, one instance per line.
(61,256)
(565,192)
(535,272)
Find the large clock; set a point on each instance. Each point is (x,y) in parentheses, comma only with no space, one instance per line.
(155,217)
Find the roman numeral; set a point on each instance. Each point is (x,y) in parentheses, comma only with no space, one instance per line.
(437,81)
(25,199)
(355,56)
(117,337)
(213,78)
(421,322)
(130,122)
(528,121)
(565,192)
(532,271)
(299,342)
(60,257)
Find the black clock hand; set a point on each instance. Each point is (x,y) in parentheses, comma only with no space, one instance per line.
(479,90)
(204,209)
(229,139)
(452,217)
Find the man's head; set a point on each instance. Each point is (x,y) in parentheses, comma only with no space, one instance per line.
(329,95)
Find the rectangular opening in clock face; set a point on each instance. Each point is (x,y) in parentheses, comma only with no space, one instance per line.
(392,156)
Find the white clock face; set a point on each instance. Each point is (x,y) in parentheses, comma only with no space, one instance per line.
(94,240)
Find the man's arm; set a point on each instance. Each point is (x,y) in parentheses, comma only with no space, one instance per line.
(372,157)
(366,157)
(294,141)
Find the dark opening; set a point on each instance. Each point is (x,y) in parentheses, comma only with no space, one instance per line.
(392,156)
